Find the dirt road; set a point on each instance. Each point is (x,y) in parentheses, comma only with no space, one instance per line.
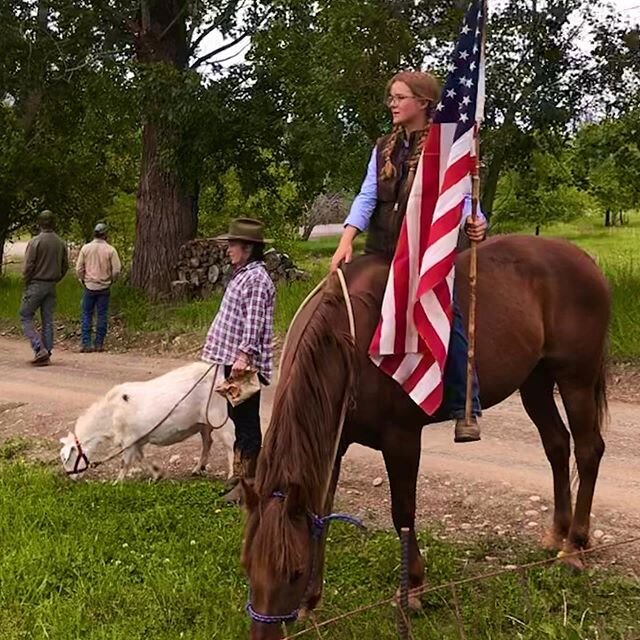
(501,485)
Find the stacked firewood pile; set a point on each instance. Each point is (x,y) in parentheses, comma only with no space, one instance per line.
(203,268)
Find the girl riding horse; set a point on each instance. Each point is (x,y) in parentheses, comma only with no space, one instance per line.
(380,207)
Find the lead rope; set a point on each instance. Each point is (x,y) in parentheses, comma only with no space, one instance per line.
(318,523)
(352,329)
(345,403)
(206,411)
(336,447)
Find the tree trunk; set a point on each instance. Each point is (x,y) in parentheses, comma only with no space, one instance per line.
(195,209)
(537,229)
(607,218)
(164,221)
(164,211)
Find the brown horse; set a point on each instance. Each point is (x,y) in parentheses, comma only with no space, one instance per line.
(543,311)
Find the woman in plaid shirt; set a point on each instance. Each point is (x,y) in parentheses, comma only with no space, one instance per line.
(241,338)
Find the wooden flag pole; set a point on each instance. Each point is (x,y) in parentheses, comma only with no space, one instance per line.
(473,280)
(473,262)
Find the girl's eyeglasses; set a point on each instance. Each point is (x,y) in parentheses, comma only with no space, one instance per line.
(391,100)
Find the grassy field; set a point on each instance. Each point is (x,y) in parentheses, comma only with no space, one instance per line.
(160,561)
(616,250)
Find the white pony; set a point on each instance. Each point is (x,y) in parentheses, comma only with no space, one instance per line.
(161,411)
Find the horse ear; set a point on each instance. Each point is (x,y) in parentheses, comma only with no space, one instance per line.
(250,497)
(293,502)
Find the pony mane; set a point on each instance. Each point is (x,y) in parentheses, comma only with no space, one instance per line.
(97,418)
(299,444)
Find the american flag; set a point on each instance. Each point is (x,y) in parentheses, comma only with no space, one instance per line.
(412,338)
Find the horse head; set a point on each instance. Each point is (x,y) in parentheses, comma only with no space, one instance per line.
(282,575)
(92,436)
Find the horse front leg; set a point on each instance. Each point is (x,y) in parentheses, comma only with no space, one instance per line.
(130,456)
(401,452)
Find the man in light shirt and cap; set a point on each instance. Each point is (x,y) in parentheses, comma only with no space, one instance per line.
(97,267)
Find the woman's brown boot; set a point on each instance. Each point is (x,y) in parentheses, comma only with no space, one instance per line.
(247,473)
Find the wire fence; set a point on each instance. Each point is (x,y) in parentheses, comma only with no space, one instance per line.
(404,623)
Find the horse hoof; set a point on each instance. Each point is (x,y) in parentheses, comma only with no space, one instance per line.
(552,541)
(569,559)
(414,602)
(198,471)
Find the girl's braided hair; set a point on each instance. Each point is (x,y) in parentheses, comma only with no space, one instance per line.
(425,87)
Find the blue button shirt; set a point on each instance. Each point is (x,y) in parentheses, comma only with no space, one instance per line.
(365,202)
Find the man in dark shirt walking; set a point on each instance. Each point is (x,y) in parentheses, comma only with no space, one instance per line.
(46,262)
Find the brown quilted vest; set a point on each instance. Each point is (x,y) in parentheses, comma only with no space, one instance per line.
(387,217)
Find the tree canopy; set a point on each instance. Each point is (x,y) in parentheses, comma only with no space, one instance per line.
(107,103)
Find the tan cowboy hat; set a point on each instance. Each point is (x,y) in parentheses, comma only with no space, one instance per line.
(245,230)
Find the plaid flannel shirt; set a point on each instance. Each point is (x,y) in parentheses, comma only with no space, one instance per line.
(244,322)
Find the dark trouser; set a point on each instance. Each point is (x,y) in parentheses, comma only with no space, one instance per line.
(455,374)
(94,301)
(246,419)
(39,295)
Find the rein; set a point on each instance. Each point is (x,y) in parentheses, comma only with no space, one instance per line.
(82,456)
(318,523)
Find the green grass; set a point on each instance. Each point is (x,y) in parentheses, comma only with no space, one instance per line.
(616,250)
(95,561)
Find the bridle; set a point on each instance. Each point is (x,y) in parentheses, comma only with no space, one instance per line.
(82,456)
(318,526)
(317,523)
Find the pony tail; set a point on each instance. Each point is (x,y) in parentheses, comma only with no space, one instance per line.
(388,171)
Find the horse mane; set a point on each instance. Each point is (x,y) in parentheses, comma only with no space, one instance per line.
(299,445)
